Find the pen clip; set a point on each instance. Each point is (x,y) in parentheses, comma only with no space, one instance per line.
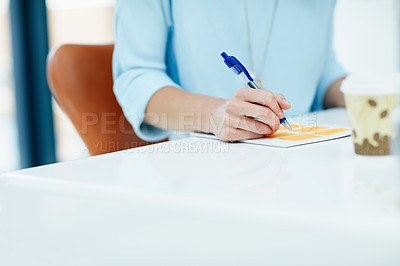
(231,61)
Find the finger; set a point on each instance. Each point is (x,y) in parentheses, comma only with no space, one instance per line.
(282,101)
(258,112)
(249,124)
(262,97)
(236,134)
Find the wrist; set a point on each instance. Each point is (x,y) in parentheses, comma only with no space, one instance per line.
(208,113)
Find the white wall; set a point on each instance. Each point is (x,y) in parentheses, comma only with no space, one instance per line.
(367,35)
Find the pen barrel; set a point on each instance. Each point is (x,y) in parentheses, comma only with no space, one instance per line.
(247,81)
(252,85)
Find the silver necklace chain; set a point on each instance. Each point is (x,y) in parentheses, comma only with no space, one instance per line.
(264,58)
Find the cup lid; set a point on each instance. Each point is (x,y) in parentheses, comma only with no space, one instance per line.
(372,83)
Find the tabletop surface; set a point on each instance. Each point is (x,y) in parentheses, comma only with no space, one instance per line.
(323,184)
(324,177)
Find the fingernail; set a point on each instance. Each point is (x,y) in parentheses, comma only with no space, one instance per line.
(286,101)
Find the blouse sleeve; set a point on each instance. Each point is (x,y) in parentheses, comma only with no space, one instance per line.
(332,71)
(139,68)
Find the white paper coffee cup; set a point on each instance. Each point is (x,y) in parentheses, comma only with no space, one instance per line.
(370,100)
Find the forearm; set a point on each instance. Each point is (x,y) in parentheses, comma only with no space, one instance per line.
(333,96)
(175,109)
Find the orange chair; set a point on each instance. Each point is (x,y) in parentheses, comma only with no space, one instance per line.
(80,79)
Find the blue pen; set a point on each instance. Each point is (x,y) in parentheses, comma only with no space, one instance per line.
(237,68)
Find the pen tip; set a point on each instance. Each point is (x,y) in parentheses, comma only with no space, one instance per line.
(287,125)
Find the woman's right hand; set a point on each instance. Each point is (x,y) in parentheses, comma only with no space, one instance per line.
(235,119)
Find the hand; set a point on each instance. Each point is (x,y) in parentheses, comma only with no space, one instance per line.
(234,119)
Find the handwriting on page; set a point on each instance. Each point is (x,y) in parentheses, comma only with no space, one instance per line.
(332,131)
(303,132)
(309,129)
(300,135)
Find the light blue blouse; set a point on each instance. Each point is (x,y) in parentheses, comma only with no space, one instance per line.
(178,43)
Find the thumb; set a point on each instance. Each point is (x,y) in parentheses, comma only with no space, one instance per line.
(283,103)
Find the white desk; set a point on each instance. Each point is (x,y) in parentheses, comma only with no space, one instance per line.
(237,204)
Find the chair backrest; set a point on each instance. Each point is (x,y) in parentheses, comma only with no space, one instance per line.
(80,79)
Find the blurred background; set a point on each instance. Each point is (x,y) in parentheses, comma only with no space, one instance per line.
(366,39)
